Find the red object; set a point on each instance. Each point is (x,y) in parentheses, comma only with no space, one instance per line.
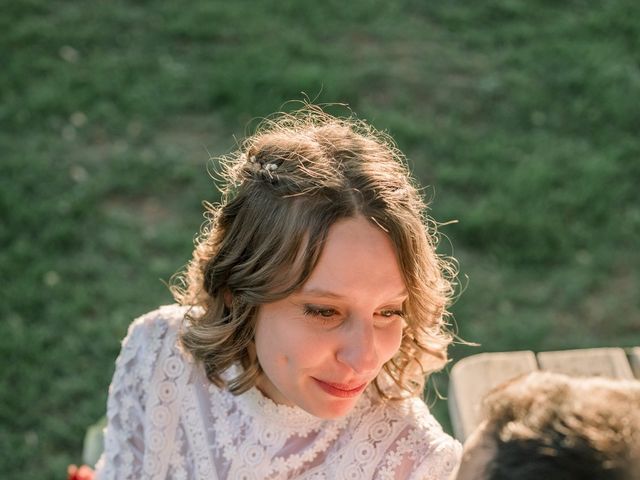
(79,473)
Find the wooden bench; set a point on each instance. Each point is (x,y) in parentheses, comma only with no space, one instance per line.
(472,377)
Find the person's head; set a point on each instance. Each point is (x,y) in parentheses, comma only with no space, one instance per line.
(316,271)
(554,427)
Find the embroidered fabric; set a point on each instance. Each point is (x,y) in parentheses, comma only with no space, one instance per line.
(166,420)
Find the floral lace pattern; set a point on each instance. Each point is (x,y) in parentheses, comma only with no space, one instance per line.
(266,428)
(166,420)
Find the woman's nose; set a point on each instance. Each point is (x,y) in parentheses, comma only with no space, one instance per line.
(358,347)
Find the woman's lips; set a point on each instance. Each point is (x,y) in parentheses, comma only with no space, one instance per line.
(341,390)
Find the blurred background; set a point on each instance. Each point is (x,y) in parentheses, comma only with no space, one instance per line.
(522,116)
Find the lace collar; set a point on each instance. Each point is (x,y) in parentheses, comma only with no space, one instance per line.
(263,410)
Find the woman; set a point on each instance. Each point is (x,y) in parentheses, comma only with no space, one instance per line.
(309,317)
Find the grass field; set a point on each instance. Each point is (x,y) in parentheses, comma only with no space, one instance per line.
(522,117)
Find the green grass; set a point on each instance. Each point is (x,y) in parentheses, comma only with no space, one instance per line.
(520,115)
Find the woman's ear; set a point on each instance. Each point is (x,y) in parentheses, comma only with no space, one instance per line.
(228,298)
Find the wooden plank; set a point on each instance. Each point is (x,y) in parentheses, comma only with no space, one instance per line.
(472,377)
(634,360)
(605,362)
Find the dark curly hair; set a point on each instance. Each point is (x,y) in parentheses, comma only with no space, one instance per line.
(553,427)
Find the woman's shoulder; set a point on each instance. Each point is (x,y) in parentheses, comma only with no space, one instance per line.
(154,326)
(415,415)
(416,446)
(409,414)
(148,334)
(162,319)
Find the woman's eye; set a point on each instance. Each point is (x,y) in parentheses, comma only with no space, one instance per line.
(392,313)
(319,311)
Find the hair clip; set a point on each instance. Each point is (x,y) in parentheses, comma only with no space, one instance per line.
(258,166)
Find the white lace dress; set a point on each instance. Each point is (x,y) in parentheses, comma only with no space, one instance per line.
(166,420)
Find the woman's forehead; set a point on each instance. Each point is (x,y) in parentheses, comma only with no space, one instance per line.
(357,254)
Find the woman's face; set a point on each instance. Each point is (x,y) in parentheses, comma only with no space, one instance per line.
(321,346)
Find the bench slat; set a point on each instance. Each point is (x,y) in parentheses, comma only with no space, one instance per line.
(472,377)
(603,362)
(634,360)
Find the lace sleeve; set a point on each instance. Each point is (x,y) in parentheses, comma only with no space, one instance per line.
(425,453)
(441,461)
(124,436)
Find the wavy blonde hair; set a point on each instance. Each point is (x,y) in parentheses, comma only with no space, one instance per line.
(282,191)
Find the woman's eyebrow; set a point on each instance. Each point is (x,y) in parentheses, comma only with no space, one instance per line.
(321,292)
